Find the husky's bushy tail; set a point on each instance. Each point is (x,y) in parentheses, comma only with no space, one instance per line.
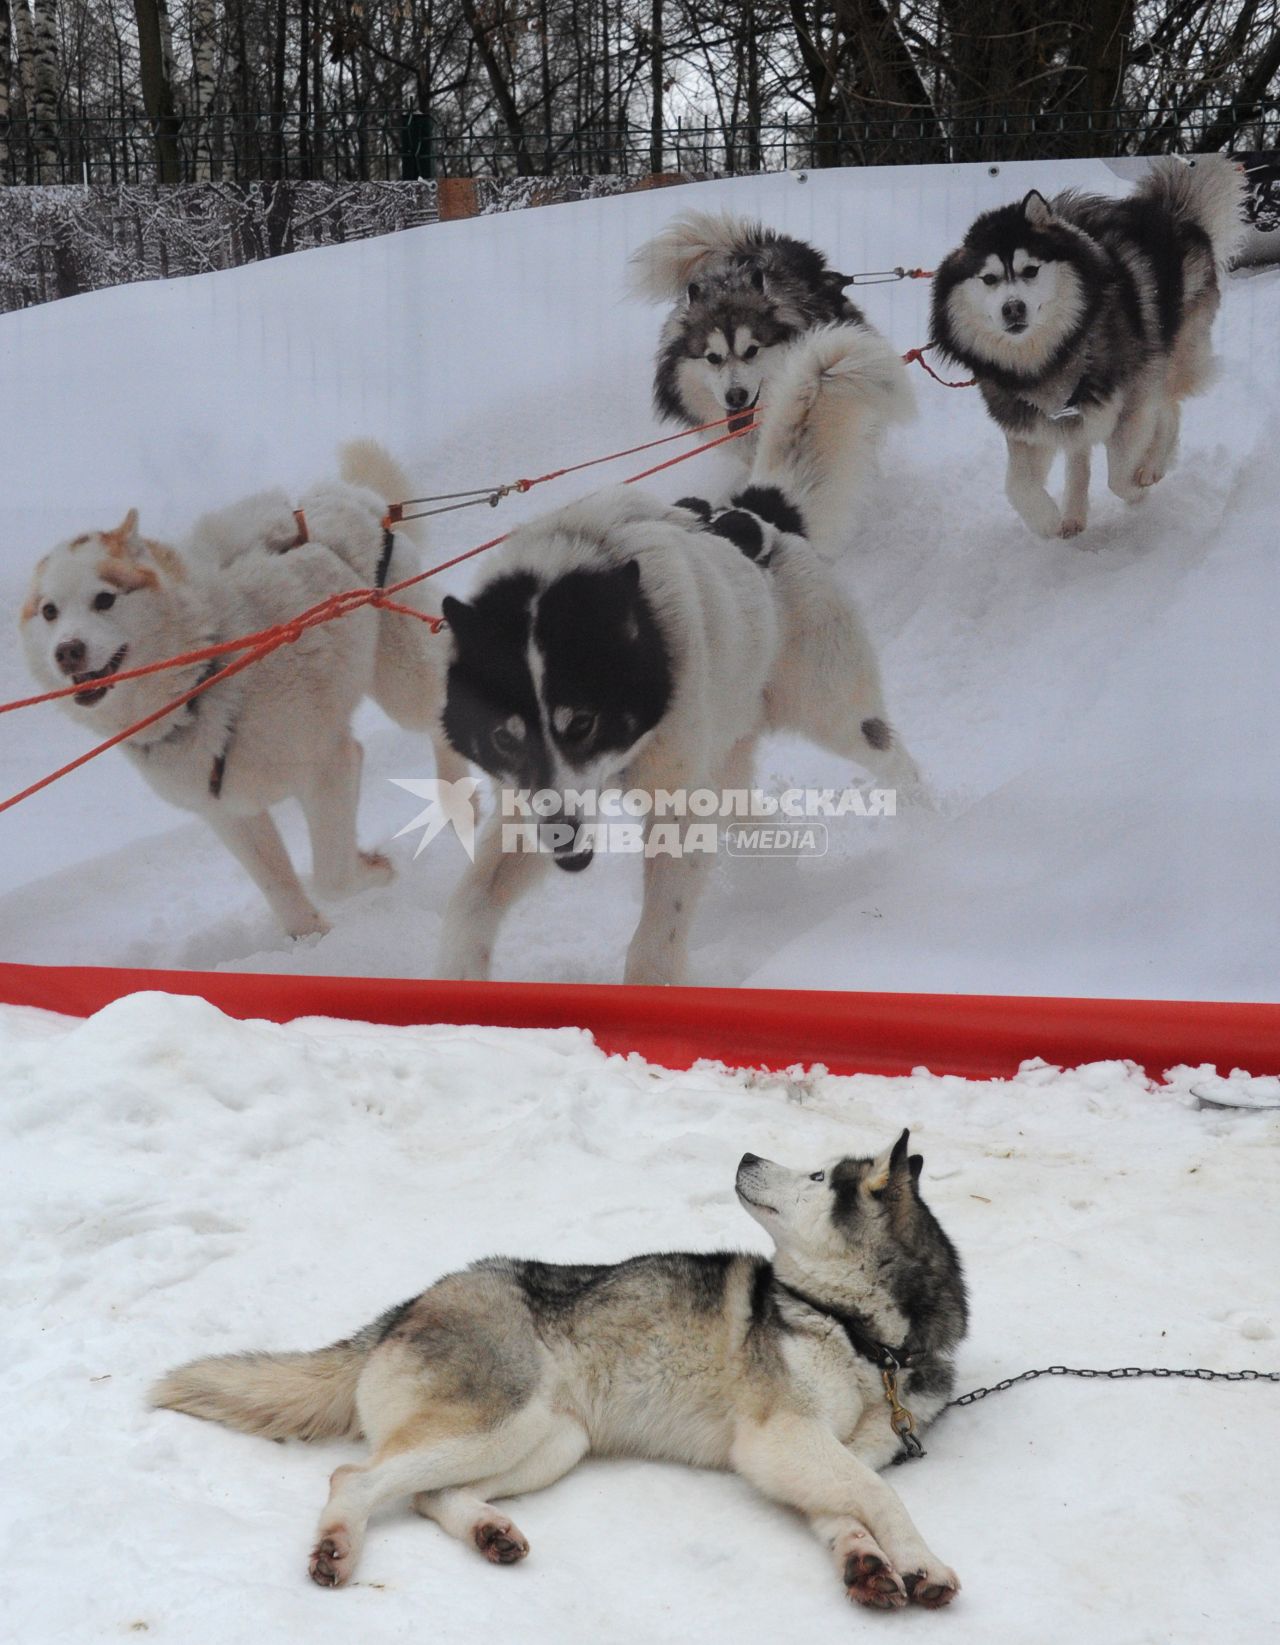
(280,1396)
(1208,191)
(839,389)
(663,267)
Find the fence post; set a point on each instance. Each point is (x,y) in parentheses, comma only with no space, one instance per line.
(456,198)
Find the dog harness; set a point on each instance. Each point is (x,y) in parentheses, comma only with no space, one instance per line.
(888,1361)
(214,666)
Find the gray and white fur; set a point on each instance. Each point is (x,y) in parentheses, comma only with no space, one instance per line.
(1086,321)
(742,295)
(497,1380)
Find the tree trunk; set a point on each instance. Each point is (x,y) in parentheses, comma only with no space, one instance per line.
(657,84)
(277,93)
(157,90)
(45,111)
(6,69)
(204,84)
(501,89)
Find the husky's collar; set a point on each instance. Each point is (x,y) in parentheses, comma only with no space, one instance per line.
(861,1340)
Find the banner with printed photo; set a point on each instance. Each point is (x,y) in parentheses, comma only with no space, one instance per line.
(966,734)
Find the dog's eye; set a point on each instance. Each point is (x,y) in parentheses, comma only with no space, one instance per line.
(48,611)
(1031,270)
(817,1176)
(715,359)
(504,739)
(103,600)
(578,727)
(990,280)
(750,353)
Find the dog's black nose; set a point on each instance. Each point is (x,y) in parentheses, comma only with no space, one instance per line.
(69,656)
(1014,311)
(735,398)
(748,1159)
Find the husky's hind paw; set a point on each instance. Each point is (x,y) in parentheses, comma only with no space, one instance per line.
(501,1542)
(932,1586)
(332,1558)
(868,1575)
(1070,527)
(1147,475)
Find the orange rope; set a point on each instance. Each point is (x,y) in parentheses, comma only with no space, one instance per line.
(916,356)
(262,644)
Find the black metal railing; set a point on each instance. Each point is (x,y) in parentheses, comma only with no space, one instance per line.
(120,147)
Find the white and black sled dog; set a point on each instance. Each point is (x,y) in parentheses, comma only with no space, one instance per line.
(109,601)
(499,1379)
(1086,322)
(625,643)
(742,295)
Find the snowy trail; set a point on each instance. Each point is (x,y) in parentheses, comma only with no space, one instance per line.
(177,1183)
(1091,717)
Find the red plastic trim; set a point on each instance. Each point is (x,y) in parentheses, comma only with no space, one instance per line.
(975,1035)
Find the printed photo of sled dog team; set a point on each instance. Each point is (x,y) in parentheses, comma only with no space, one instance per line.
(624,642)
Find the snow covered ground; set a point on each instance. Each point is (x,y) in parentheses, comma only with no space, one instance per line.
(1095,717)
(177,1183)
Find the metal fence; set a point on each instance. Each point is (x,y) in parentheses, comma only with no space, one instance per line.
(378,145)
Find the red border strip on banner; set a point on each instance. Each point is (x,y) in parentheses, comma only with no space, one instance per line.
(975,1035)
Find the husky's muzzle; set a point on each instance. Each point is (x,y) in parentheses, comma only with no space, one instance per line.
(86,699)
(743,419)
(568,843)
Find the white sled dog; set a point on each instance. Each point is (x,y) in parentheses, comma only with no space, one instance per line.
(1086,321)
(499,1379)
(625,643)
(112,600)
(742,296)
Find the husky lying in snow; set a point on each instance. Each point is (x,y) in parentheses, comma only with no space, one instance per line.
(1086,322)
(622,642)
(743,294)
(499,1379)
(112,600)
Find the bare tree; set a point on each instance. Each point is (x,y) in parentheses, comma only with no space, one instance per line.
(204,82)
(157,88)
(45,106)
(6,72)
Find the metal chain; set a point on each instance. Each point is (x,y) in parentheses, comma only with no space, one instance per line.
(1119,1371)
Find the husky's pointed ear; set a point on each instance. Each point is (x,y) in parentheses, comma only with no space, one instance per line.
(628,575)
(915,1165)
(693,291)
(1036,209)
(757,279)
(459,616)
(890,1166)
(124,539)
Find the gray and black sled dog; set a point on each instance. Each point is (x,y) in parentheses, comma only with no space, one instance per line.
(1086,322)
(626,643)
(499,1379)
(742,294)
(108,601)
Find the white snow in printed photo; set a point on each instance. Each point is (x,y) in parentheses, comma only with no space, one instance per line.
(1093,718)
(178,1184)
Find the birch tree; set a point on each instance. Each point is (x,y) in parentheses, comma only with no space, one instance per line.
(204,85)
(44,109)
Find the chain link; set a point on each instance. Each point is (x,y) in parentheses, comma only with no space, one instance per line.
(1117,1372)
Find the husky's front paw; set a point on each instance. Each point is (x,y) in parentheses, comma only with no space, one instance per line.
(932,1585)
(1072,525)
(1146,475)
(1040,514)
(333,1558)
(308,923)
